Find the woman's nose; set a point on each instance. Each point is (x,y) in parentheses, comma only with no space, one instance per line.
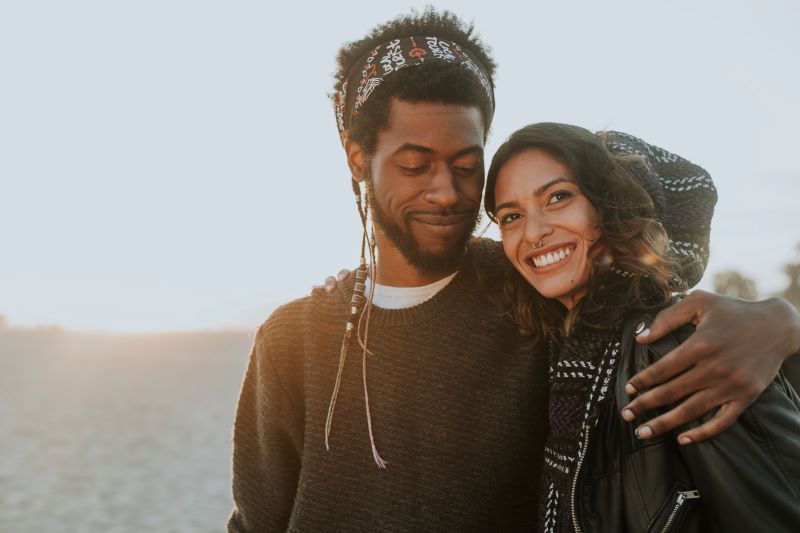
(537,229)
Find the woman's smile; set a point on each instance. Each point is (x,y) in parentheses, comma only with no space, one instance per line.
(554,257)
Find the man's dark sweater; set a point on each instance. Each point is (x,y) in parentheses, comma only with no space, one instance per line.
(449,387)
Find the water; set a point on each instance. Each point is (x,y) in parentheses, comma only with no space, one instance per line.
(117,433)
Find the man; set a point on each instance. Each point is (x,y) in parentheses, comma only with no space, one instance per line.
(430,415)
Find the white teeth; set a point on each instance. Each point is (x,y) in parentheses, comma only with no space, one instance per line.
(551,257)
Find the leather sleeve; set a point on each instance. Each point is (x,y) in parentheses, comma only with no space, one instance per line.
(791,367)
(749,475)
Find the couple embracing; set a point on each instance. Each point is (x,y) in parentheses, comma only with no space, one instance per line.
(549,383)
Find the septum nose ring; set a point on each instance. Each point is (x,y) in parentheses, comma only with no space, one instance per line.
(537,245)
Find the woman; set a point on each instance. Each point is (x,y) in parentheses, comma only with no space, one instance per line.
(581,231)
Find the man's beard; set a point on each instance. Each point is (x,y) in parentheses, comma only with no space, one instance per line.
(425,262)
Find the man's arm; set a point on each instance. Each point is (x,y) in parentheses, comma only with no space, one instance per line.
(734,354)
(738,346)
(267,440)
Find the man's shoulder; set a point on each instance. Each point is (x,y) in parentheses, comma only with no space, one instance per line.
(283,325)
(291,321)
(294,331)
(487,259)
(485,250)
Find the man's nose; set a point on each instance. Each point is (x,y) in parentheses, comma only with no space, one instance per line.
(443,188)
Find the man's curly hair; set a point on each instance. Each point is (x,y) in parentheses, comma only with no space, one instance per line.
(430,82)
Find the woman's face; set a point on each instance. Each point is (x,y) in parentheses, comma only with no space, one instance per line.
(548,225)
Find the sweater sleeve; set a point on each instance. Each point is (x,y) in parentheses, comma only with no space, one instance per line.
(684,195)
(267,439)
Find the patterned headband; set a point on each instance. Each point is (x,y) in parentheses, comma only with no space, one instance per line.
(388,58)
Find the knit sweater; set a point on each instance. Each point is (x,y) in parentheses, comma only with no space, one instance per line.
(684,196)
(458,411)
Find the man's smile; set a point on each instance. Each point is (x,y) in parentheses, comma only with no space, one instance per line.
(443,225)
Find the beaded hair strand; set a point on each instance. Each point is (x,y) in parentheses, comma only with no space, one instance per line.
(365,314)
(356,302)
(356,320)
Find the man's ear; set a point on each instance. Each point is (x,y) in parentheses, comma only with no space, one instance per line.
(356,160)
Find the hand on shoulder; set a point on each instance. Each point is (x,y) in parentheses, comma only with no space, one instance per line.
(734,354)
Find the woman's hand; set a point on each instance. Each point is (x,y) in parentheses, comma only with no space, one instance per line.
(330,283)
(736,351)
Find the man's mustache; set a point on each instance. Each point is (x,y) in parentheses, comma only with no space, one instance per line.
(445,213)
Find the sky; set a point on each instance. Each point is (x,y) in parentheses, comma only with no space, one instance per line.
(175,165)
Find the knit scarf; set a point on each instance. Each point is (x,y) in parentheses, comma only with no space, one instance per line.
(582,371)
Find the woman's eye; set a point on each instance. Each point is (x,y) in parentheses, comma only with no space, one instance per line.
(558,196)
(509,218)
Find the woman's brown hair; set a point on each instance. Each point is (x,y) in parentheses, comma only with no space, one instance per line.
(635,268)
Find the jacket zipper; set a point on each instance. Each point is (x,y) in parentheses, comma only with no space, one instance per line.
(682,497)
(578,466)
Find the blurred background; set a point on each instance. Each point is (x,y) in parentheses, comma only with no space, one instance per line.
(170,172)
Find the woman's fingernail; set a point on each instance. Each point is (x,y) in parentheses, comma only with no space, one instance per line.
(644,432)
(630,389)
(684,440)
(644,333)
(628,415)
(640,327)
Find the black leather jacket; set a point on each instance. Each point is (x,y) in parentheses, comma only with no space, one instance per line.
(745,479)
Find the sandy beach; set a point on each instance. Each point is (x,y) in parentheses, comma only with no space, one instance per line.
(117,433)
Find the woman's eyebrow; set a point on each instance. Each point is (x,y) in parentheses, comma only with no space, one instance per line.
(540,190)
(505,205)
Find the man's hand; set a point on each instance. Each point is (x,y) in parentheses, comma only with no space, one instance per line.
(735,352)
(330,283)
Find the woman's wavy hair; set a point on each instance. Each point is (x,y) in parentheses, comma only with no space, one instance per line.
(634,268)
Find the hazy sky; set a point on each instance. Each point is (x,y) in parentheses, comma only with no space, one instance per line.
(175,165)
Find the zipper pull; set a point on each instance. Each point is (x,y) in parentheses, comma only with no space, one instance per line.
(690,494)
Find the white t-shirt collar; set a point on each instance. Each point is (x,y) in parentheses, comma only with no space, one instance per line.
(388,297)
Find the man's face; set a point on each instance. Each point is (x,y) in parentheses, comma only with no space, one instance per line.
(425,181)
